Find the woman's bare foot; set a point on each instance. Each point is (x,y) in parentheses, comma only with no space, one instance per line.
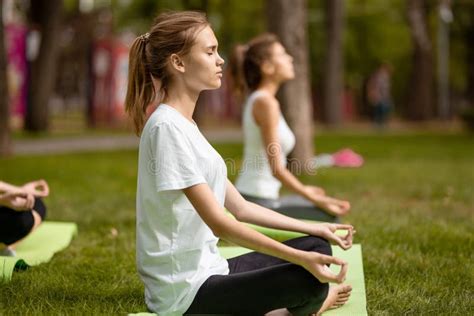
(333,206)
(7,252)
(338,295)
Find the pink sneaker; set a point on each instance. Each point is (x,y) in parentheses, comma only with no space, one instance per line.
(347,158)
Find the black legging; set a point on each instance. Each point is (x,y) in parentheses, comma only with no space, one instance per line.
(16,225)
(294,206)
(258,283)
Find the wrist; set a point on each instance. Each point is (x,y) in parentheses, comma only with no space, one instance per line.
(314,229)
(301,258)
(305,192)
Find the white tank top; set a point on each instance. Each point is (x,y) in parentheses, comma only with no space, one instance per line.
(255,177)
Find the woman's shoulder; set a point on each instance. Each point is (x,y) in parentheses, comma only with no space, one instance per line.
(266,102)
(266,108)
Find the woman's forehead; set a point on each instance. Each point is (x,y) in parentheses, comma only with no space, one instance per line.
(206,38)
(278,48)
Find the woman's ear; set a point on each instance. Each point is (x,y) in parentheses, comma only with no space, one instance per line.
(268,68)
(177,63)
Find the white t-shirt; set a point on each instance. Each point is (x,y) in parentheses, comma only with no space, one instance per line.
(176,250)
(255,176)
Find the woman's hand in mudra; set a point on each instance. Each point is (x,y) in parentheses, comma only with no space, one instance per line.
(38,188)
(328,232)
(317,265)
(17,200)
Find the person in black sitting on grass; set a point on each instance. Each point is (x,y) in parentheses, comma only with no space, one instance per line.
(21,211)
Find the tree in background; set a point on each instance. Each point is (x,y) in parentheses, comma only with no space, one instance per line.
(333,74)
(46,14)
(420,89)
(5,142)
(288,20)
(463,45)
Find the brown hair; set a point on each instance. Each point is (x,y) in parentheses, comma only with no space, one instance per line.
(171,33)
(246,61)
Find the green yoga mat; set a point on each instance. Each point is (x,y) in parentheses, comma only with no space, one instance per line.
(38,247)
(356,306)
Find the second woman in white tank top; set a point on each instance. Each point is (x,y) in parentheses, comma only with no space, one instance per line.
(268,140)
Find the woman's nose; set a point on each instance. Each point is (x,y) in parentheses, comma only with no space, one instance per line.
(220,60)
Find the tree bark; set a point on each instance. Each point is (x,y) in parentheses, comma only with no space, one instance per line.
(469,40)
(43,70)
(420,89)
(333,73)
(5,141)
(288,20)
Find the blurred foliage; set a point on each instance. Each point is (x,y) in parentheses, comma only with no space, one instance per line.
(226,17)
(375,31)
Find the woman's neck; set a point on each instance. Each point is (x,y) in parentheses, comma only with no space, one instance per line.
(269,86)
(183,101)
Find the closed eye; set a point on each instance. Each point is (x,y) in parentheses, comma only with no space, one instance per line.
(211,50)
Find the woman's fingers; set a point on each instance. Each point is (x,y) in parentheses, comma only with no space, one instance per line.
(348,238)
(43,188)
(344,226)
(38,188)
(326,275)
(325,259)
(340,242)
(31,201)
(341,277)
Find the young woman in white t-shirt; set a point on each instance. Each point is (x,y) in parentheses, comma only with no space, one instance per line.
(260,68)
(183,189)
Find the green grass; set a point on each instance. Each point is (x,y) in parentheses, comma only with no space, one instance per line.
(412,205)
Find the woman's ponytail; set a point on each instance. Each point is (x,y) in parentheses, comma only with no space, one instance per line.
(140,91)
(236,65)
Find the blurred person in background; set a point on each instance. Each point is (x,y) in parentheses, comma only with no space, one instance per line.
(21,211)
(379,95)
(259,69)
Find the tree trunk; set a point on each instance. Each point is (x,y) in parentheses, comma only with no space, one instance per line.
(288,20)
(333,73)
(469,40)
(5,142)
(43,70)
(420,99)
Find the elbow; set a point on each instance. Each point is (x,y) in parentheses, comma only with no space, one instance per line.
(277,171)
(225,228)
(217,231)
(238,215)
(221,233)
(242,215)
(220,229)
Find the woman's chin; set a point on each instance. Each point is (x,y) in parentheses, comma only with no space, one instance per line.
(215,85)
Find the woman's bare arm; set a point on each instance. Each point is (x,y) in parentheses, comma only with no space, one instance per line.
(252,213)
(232,230)
(266,112)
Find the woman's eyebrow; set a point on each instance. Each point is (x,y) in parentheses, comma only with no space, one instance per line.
(211,47)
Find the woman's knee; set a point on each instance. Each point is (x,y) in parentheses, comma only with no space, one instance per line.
(311,243)
(324,246)
(312,298)
(321,245)
(37,219)
(40,208)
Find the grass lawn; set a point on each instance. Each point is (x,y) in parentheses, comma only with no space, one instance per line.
(412,205)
